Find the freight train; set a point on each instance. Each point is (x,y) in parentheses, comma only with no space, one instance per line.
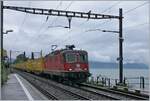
(64,64)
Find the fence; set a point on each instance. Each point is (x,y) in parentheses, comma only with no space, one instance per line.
(131,82)
(139,82)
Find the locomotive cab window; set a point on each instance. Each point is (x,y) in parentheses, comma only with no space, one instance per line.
(83,58)
(70,58)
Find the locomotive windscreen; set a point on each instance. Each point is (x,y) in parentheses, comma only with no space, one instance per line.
(83,58)
(71,57)
(76,57)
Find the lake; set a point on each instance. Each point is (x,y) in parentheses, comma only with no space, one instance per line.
(131,73)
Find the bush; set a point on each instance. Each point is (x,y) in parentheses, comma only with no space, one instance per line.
(125,89)
(115,87)
(4,74)
(137,91)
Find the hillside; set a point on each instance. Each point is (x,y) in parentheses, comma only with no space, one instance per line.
(94,64)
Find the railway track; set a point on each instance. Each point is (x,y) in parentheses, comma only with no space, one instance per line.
(41,88)
(53,92)
(58,91)
(99,93)
(45,92)
(113,93)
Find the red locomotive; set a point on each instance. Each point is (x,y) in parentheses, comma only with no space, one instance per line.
(64,65)
(67,64)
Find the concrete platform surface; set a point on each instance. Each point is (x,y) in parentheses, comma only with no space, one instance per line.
(17,88)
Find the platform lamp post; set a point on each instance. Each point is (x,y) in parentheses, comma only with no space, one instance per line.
(1,33)
(1,27)
(8,31)
(2,58)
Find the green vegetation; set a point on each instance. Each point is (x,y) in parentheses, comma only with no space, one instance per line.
(115,87)
(126,89)
(4,67)
(137,91)
(4,73)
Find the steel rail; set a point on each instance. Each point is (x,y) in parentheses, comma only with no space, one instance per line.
(72,93)
(75,92)
(42,90)
(68,91)
(118,94)
(101,94)
(45,92)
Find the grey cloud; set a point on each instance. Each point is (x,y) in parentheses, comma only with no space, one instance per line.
(100,46)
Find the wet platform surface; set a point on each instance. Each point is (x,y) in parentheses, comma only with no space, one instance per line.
(17,88)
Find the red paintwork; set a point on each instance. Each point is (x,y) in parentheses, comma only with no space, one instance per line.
(73,66)
(54,63)
(58,64)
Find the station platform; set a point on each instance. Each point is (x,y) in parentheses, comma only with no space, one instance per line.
(17,88)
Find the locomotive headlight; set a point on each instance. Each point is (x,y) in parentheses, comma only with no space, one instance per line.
(70,69)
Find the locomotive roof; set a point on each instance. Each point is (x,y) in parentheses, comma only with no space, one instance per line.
(67,50)
(64,51)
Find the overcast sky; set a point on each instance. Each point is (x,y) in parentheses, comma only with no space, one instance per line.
(31,32)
